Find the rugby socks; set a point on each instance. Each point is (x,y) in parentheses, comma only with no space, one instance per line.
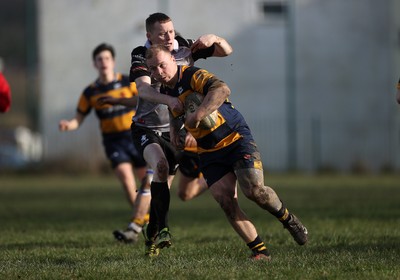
(258,247)
(135,226)
(160,200)
(138,223)
(152,228)
(283,214)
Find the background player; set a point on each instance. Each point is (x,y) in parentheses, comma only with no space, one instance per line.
(114,120)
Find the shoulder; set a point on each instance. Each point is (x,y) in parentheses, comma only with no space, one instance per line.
(189,72)
(123,79)
(138,52)
(89,90)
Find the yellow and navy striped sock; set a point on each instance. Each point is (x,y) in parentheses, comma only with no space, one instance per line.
(283,214)
(258,247)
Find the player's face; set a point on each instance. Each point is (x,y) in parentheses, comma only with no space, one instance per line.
(163,67)
(162,34)
(104,62)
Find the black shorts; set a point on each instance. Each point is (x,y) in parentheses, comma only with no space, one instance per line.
(143,136)
(119,148)
(189,164)
(239,155)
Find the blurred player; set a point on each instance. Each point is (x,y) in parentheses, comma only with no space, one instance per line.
(398,92)
(150,126)
(227,151)
(114,121)
(5,92)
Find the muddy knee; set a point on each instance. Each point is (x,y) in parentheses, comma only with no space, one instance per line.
(162,169)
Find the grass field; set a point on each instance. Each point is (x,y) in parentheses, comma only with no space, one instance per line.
(60,228)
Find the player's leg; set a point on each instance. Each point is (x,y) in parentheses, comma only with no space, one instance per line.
(160,195)
(191,181)
(120,159)
(224,192)
(125,175)
(140,210)
(189,187)
(251,181)
(128,151)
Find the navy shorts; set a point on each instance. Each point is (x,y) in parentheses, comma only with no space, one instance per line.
(120,148)
(189,164)
(143,136)
(241,154)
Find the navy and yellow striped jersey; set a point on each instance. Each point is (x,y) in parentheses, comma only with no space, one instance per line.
(230,125)
(112,118)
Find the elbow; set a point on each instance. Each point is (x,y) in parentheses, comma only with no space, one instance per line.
(141,87)
(229,51)
(223,53)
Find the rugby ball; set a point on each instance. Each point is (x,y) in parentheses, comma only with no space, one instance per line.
(192,102)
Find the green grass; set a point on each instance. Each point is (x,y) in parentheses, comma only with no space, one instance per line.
(60,228)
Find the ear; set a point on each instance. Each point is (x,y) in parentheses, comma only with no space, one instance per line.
(148,35)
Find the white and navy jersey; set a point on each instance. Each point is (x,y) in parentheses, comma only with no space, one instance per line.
(154,115)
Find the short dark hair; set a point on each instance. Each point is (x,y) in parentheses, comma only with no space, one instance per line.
(156,17)
(154,49)
(103,47)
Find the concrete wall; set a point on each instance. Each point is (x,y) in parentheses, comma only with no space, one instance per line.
(345,82)
(344,66)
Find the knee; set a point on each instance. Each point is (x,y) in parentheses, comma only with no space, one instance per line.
(261,192)
(162,169)
(183,195)
(253,190)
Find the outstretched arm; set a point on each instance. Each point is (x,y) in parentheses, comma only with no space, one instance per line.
(72,124)
(128,102)
(222,47)
(146,91)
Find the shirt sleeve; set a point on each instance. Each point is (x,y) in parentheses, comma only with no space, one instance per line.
(203,53)
(138,64)
(84,106)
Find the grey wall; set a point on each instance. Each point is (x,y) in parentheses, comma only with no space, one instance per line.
(345,67)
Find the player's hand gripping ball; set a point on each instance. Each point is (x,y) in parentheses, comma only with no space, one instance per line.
(192,102)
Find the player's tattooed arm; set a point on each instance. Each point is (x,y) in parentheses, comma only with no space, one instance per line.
(217,93)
